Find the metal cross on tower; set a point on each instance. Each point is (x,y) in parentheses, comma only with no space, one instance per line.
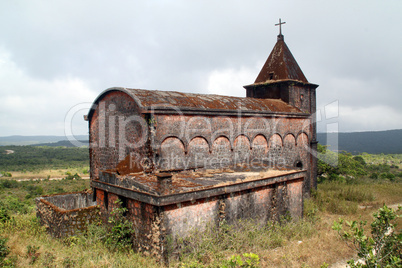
(280,26)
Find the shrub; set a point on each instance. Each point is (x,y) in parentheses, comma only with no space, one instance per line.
(48,259)
(387,175)
(380,168)
(4,214)
(32,253)
(250,260)
(34,191)
(383,248)
(5,174)
(339,166)
(310,209)
(9,184)
(4,250)
(72,177)
(119,236)
(15,205)
(12,204)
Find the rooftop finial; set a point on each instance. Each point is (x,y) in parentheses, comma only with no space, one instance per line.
(280,36)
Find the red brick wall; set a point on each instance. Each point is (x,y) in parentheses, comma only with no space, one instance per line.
(169,142)
(116,129)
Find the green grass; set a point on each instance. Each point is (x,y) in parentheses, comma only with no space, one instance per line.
(307,243)
(276,244)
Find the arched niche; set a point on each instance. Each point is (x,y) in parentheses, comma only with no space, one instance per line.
(198,151)
(241,148)
(275,146)
(302,140)
(172,154)
(289,142)
(221,150)
(289,153)
(260,146)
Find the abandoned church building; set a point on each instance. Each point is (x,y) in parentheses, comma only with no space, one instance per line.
(178,161)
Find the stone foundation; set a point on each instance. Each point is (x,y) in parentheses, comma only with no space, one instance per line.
(158,218)
(66,214)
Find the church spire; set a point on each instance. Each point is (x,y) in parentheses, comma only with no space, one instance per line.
(280,65)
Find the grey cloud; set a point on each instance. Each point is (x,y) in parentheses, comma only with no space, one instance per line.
(351,49)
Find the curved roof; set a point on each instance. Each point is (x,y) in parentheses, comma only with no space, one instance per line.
(172,100)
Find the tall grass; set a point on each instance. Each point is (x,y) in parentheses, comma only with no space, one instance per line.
(309,242)
(207,248)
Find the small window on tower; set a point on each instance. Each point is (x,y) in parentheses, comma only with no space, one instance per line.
(299,165)
(271,76)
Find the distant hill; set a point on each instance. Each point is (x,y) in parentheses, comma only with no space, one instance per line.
(63,143)
(372,142)
(30,140)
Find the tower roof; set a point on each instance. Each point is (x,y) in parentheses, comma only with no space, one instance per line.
(280,65)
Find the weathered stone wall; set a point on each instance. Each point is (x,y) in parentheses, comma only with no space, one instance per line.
(116,130)
(154,225)
(260,204)
(66,214)
(185,142)
(124,139)
(145,219)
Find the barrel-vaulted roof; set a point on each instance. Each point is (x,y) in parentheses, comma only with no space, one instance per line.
(187,102)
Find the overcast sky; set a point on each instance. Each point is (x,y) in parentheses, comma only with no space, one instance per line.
(57,56)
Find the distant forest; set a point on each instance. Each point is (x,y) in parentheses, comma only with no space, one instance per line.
(376,142)
(33,158)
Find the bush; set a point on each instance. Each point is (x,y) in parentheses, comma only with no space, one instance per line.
(339,166)
(15,205)
(250,260)
(12,204)
(6,174)
(380,168)
(310,209)
(72,177)
(120,233)
(383,248)
(9,184)
(4,250)
(4,214)
(387,175)
(32,253)
(34,191)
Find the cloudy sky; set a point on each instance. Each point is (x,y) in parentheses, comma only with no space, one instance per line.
(57,56)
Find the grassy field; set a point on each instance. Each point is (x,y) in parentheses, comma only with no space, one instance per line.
(307,243)
(49,173)
(352,190)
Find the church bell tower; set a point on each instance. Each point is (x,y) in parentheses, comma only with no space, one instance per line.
(282,78)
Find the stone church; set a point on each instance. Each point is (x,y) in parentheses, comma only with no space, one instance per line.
(178,161)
